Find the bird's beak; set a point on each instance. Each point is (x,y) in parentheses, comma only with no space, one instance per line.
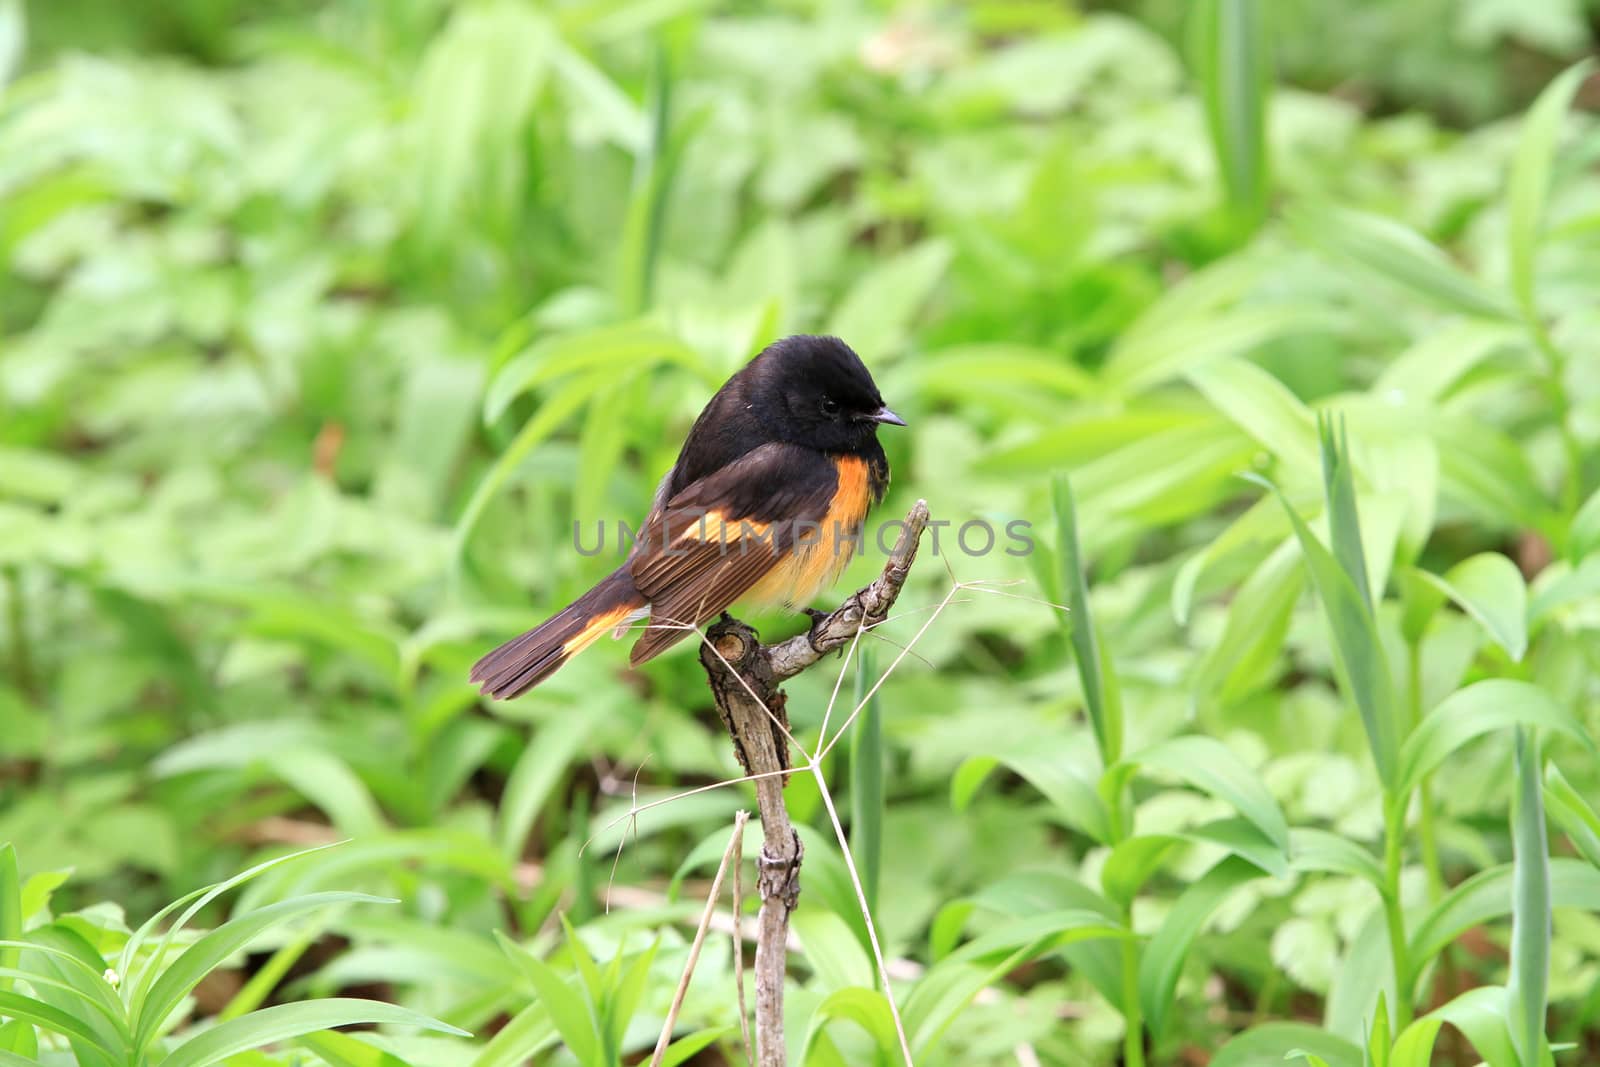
(883,414)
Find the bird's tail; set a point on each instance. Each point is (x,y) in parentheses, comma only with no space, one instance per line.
(523,662)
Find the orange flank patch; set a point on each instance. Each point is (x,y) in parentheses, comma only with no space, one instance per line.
(818,557)
(713,527)
(593,629)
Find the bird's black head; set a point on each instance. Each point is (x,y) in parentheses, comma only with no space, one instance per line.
(815,391)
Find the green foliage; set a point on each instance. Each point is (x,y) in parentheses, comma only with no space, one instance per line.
(113,996)
(324,324)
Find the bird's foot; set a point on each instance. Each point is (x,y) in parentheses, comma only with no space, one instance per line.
(817,619)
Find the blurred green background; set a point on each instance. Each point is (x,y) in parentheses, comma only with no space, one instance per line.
(322,322)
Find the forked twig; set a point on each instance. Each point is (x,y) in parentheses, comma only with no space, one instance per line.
(745,677)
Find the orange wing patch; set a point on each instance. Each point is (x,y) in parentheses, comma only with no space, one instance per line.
(819,557)
(594,628)
(714,528)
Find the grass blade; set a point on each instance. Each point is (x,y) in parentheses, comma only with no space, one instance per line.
(200,958)
(42,1015)
(1163,957)
(1529,183)
(1232,58)
(1481,708)
(1577,819)
(866,785)
(1528,987)
(568,1009)
(1099,685)
(1489,587)
(1487,896)
(1210,766)
(10,909)
(1271,1042)
(285,1021)
(191,904)
(1400,255)
(1358,652)
(537,772)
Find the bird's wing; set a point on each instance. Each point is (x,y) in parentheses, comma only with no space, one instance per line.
(720,535)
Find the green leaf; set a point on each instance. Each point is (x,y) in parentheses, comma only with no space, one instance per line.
(212,950)
(832,950)
(1269,1044)
(1365,971)
(1358,651)
(1161,347)
(1232,58)
(566,1007)
(529,1031)
(139,974)
(1426,371)
(1583,536)
(941,994)
(1489,587)
(13,34)
(1259,614)
(74,960)
(1210,766)
(1528,985)
(1099,684)
(1073,798)
(39,888)
(339,1049)
(953,371)
(876,315)
(1573,814)
(285,1021)
(1478,709)
(867,811)
(620,351)
(1245,840)
(1262,407)
(18,1041)
(1344,524)
(475,89)
(1529,182)
(1378,1039)
(43,1015)
(562,404)
(1477,1013)
(1399,255)
(1162,960)
(1044,933)
(1132,862)
(534,777)
(11,915)
(867,1008)
(1487,896)
(1311,1058)
(1311,849)
(329,783)
(685,1048)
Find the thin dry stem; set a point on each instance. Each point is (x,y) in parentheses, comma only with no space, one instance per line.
(728,856)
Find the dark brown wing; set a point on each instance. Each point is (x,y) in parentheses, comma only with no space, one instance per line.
(719,536)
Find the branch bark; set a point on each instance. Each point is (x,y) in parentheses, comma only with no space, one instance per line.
(744,676)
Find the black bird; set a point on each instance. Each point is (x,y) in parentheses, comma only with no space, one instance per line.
(765,504)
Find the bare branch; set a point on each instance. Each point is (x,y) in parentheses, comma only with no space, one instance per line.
(744,676)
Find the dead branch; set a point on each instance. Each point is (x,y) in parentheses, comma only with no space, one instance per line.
(744,676)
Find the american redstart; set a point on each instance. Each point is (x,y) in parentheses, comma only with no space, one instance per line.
(765,505)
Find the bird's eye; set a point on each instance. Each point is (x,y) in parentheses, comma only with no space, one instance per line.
(830,406)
